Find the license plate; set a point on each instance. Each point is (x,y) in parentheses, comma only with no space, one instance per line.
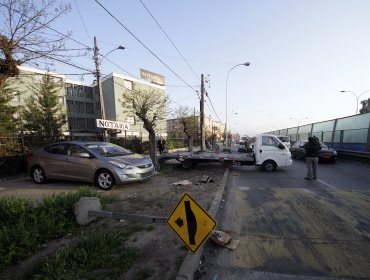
(326,157)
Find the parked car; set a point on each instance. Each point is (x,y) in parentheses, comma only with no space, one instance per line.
(101,163)
(325,154)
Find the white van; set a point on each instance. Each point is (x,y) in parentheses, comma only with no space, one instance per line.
(270,152)
(285,140)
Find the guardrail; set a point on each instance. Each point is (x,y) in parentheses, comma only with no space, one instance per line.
(354,155)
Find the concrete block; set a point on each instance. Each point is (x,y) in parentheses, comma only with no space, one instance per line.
(82,208)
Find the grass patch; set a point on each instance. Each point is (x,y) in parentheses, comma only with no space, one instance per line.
(99,255)
(25,228)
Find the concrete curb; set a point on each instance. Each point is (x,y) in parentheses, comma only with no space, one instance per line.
(192,260)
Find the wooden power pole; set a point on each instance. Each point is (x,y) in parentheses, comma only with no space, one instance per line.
(202,134)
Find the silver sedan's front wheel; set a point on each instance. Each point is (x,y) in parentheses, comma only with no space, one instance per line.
(104,179)
(38,175)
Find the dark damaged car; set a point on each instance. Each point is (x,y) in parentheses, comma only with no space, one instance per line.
(326,154)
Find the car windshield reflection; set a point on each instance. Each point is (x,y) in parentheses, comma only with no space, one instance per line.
(109,150)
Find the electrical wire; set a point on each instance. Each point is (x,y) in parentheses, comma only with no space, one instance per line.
(169,39)
(83,22)
(132,34)
(59,60)
(121,68)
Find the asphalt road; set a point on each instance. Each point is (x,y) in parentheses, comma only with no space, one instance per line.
(290,228)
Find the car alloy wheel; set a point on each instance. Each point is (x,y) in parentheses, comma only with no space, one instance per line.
(38,175)
(104,179)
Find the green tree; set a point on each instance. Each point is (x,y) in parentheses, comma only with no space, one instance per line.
(9,124)
(43,113)
(365,106)
(150,107)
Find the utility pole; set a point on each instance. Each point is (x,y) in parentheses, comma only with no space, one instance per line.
(100,88)
(202,140)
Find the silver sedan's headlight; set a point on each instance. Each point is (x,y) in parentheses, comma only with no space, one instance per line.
(120,165)
(335,153)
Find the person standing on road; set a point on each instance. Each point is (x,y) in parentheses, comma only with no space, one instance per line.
(311,151)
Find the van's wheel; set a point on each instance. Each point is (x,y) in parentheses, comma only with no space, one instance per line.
(104,179)
(187,164)
(38,175)
(269,166)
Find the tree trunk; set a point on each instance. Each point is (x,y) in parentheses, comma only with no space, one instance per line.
(153,152)
(190,143)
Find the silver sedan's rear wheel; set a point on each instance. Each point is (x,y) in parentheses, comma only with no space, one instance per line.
(38,175)
(104,179)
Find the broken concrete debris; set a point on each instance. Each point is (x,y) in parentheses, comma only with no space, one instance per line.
(182,183)
(224,239)
(206,179)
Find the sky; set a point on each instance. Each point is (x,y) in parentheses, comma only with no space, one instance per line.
(301,54)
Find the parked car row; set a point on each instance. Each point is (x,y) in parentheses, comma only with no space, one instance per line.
(103,164)
(325,154)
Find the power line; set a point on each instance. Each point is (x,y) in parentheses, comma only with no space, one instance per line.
(58,59)
(169,39)
(121,68)
(213,108)
(120,23)
(83,22)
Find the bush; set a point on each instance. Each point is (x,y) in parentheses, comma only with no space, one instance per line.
(134,144)
(12,165)
(24,228)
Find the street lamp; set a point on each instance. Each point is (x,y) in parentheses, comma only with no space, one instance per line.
(357,97)
(100,88)
(227,79)
(298,121)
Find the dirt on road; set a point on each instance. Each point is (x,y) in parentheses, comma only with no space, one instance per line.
(161,251)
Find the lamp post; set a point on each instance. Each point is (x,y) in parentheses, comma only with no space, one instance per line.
(298,121)
(357,97)
(227,79)
(98,81)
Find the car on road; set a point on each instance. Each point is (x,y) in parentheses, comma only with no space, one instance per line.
(325,154)
(103,164)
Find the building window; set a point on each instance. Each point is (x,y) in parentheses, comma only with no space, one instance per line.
(90,108)
(90,124)
(81,124)
(80,107)
(127,84)
(70,106)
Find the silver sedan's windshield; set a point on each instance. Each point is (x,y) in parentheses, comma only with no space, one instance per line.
(108,150)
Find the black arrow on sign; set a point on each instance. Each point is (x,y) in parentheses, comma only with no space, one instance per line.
(191,222)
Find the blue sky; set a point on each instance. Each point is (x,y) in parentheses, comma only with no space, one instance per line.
(302,54)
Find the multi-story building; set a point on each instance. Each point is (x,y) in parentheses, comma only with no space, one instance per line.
(81,102)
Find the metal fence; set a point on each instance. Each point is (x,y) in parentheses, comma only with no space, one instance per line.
(351,134)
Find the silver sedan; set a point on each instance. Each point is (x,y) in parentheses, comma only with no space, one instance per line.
(101,163)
